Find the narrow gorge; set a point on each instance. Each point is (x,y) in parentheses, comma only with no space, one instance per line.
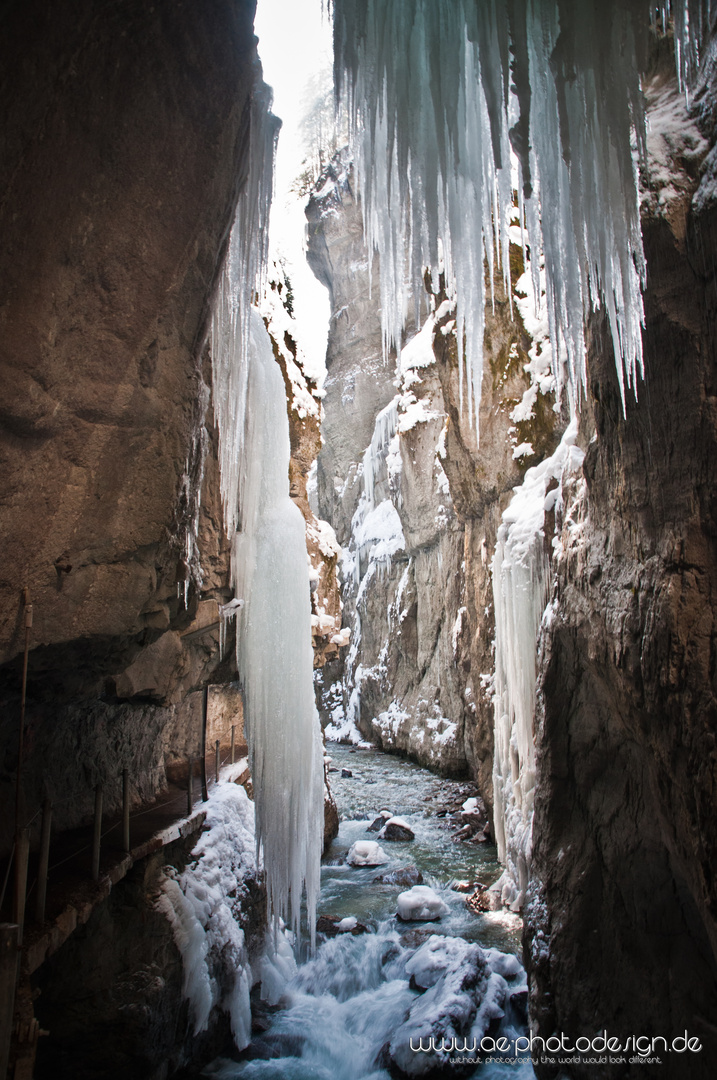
(359,699)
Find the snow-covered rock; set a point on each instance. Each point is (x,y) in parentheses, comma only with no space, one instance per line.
(420,904)
(396,829)
(366,853)
(462,996)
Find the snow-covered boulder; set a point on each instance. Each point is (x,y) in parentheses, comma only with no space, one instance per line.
(420,904)
(379,822)
(396,829)
(462,997)
(331,925)
(439,955)
(366,853)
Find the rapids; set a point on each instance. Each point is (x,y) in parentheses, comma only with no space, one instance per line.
(342,1007)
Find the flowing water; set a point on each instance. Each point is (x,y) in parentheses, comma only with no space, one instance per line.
(345,1005)
(383,781)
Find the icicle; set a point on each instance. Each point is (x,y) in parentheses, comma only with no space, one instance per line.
(274,650)
(374,457)
(692,23)
(227,612)
(242,277)
(425,86)
(269,563)
(521,577)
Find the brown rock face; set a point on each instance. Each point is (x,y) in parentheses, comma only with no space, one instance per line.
(124,147)
(621,928)
(481,478)
(125,144)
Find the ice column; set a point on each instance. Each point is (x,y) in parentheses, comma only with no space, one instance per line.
(269,563)
(521,583)
(274,650)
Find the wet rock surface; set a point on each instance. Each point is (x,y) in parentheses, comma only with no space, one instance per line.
(407,876)
(396,830)
(331,925)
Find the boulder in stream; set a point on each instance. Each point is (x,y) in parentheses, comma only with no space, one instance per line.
(420,904)
(407,876)
(331,925)
(366,853)
(396,829)
(461,996)
(378,823)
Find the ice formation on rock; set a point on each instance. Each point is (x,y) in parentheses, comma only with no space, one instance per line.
(274,651)
(269,562)
(438,95)
(420,904)
(242,277)
(366,853)
(521,579)
(202,904)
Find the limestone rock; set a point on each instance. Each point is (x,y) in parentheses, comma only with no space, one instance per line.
(626,695)
(422,620)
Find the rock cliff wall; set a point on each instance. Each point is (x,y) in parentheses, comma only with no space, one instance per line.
(415,502)
(621,926)
(125,143)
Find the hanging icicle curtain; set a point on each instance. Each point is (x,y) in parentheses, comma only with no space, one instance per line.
(458,108)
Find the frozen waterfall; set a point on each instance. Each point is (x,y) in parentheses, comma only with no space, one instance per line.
(274,649)
(269,558)
(440,95)
(521,585)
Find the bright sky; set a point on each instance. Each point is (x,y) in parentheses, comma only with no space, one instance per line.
(295,43)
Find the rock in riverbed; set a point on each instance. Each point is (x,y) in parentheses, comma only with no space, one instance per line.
(420,904)
(331,925)
(396,829)
(379,822)
(406,876)
(366,853)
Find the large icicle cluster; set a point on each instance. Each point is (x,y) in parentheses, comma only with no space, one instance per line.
(438,94)
(274,650)
(521,578)
(269,562)
(242,279)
